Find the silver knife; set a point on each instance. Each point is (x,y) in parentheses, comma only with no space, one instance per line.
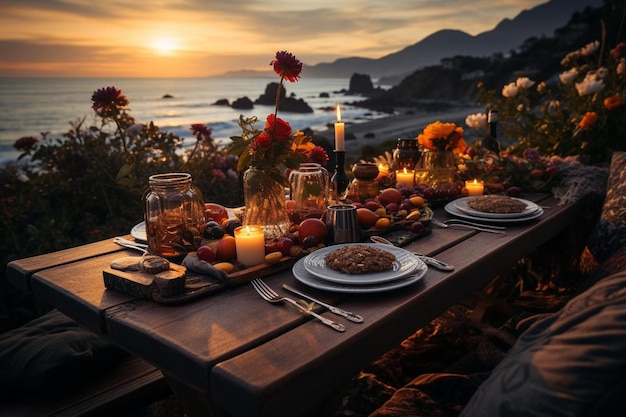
(347,314)
(428,260)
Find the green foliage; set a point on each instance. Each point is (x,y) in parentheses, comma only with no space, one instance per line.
(89,186)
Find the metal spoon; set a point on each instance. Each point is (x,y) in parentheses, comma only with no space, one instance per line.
(428,260)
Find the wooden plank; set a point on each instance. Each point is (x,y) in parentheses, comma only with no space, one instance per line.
(20,271)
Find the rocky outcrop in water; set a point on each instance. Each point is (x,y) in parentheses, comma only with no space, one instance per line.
(287,104)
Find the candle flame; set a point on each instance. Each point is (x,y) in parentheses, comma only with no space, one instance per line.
(405,170)
(338,113)
(475,181)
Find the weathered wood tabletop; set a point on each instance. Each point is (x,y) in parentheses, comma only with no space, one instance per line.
(231,353)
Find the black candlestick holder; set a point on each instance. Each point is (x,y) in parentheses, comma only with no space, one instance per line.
(339,179)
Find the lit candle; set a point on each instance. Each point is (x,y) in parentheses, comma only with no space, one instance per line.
(339,132)
(405,177)
(250,245)
(383,171)
(475,187)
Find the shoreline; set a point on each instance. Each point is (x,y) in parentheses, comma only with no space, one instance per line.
(405,125)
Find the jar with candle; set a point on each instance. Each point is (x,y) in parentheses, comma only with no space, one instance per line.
(364,185)
(308,192)
(174,215)
(406,155)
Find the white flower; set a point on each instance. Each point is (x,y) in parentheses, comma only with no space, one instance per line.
(510,90)
(590,85)
(590,48)
(476,120)
(524,82)
(601,72)
(568,76)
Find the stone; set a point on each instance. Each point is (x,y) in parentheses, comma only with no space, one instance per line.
(242,103)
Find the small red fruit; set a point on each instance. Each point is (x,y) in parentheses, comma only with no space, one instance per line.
(312,227)
(284,244)
(417,227)
(205,253)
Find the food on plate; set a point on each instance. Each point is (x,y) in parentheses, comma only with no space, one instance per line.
(496,204)
(360,259)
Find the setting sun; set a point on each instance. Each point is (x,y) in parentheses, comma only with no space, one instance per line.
(164,45)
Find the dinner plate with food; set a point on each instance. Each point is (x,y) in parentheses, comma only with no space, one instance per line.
(494,208)
(362,263)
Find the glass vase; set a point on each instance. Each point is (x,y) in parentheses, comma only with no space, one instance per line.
(436,168)
(308,192)
(264,199)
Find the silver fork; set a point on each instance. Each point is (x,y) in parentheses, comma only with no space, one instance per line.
(466,225)
(272,296)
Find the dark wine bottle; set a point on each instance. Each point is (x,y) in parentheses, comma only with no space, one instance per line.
(491,141)
(339,180)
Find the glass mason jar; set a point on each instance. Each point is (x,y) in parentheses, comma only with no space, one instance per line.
(308,192)
(265,202)
(406,155)
(174,215)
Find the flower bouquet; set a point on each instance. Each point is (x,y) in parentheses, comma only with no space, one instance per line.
(266,154)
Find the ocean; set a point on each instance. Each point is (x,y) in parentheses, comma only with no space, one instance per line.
(29,106)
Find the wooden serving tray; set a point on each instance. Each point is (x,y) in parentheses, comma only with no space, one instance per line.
(142,285)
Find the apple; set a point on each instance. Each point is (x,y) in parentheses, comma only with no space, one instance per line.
(389,195)
(226,248)
(312,227)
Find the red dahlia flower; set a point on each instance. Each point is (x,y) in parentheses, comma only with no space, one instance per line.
(287,66)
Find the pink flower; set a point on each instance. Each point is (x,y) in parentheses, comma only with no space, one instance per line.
(201,131)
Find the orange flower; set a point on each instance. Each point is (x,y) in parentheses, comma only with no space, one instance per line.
(588,119)
(442,136)
(614,102)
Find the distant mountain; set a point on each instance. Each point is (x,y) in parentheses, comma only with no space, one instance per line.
(509,34)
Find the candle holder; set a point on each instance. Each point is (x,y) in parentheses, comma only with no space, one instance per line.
(339,180)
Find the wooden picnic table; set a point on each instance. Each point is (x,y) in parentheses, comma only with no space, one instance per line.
(232,354)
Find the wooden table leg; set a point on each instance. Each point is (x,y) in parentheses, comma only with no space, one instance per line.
(194,403)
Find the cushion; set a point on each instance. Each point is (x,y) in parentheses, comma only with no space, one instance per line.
(50,352)
(610,233)
(570,363)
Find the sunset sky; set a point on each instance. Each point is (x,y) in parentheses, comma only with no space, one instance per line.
(195,38)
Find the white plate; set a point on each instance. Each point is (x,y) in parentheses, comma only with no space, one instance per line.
(406,263)
(451,208)
(139,232)
(305,277)
(461,204)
